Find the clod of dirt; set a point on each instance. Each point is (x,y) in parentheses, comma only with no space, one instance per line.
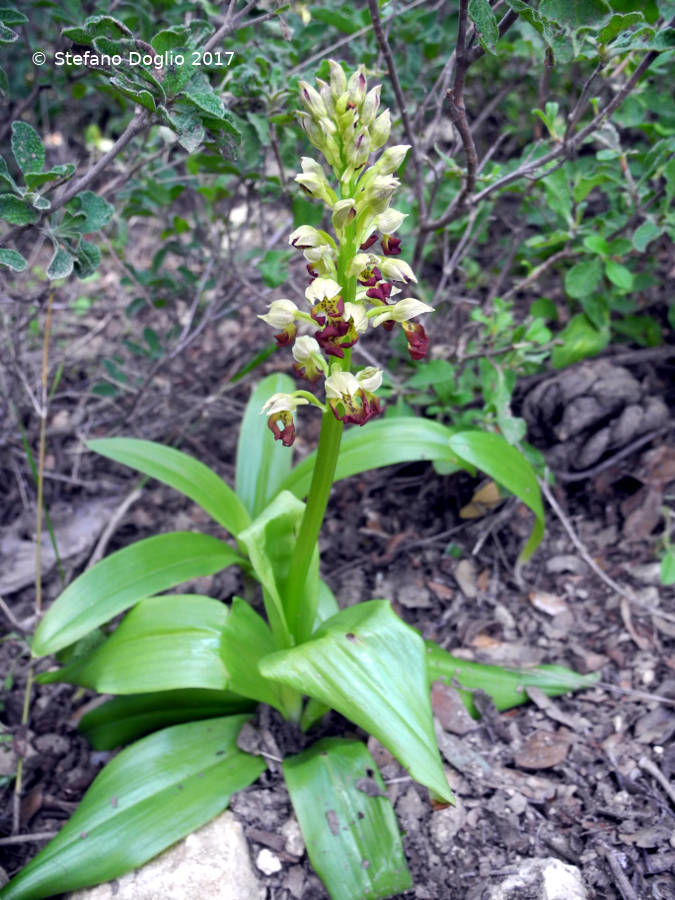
(588,412)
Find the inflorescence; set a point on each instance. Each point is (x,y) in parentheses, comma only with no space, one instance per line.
(352,287)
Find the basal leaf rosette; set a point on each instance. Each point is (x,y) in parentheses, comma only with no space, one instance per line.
(355,275)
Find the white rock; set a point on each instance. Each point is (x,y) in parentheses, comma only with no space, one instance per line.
(541,879)
(295,844)
(268,862)
(213,863)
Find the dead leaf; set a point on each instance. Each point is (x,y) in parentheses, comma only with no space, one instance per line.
(442,591)
(550,604)
(449,709)
(484,500)
(543,749)
(465,576)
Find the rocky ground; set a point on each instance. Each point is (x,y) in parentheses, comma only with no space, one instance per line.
(584,781)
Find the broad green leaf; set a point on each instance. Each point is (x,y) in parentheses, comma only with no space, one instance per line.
(198,91)
(262,462)
(269,542)
(7,36)
(16,211)
(125,577)
(485,21)
(371,667)
(618,22)
(10,15)
(12,259)
(619,275)
(583,279)
(187,124)
(596,308)
(574,13)
(27,147)
(96,26)
(165,643)
(181,472)
(124,719)
(87,260)
(580,340)
(245,640)
(596,244)
(61,264)
(6,180)
(380,443)
(37,179)
(645,234)
(506,687)
(348,823)
(507,466)
(97,212)
(147,798)
(131,90)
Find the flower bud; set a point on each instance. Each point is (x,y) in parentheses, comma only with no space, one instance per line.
(358,149)
(379,193)
(390,221)
(397,270)
(338,79)
(306,236)
(391,159)
(344,212)
(402,311)
(370,379)
(309,359)
(312,100)
(370,106)
(380,130)
(281,314)
(356,87)
(316,136)
(313,180)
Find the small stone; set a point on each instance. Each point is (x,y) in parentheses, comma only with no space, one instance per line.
(53,744)
(295,844)
(211,862)
(414,596)
(446,823)
(268,862)
(295,882)
(465,576)
(541,879)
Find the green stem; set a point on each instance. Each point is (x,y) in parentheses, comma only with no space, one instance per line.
(299,617)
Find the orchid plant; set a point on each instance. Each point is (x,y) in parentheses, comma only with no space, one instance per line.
(187,670)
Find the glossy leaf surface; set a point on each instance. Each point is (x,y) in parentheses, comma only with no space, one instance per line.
(181,472)
(381,443)
(149,796)
(245,640)
(262,462)
(269,542)
(350,832)
(508,466)
(163,644)
(370,666)
(125,577)
(124,719)
(506,687)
